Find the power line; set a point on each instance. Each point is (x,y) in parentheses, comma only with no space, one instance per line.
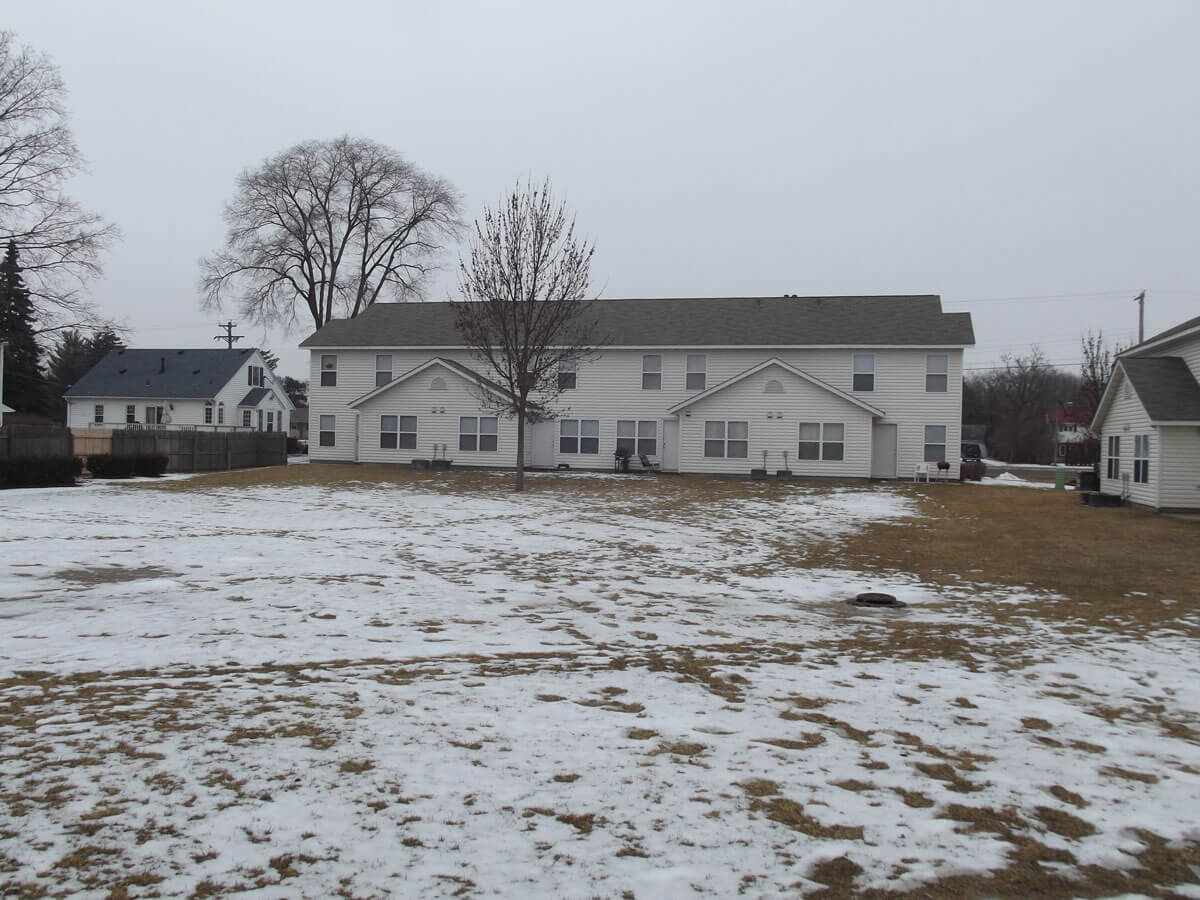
(229,337)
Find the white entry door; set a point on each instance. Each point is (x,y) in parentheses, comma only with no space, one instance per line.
(670,447)
(883,451)
(542,436)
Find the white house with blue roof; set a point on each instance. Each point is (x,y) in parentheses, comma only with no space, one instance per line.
(219,390)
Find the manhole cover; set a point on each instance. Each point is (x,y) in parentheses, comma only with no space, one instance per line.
(871,598)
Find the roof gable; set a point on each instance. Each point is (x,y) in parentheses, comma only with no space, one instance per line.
(916,321)
(162,374)
(1165,387)
(466,374)
(774,361)
(1184,329)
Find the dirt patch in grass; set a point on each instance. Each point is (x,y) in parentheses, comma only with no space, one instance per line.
(760,787)
(113,574)
(790,813)
(679,748)
(1064,823)
(1129,774)
(805,742)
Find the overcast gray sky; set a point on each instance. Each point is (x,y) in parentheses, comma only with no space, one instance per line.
(1001,154)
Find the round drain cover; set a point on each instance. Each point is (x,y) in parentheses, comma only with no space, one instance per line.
(872,598)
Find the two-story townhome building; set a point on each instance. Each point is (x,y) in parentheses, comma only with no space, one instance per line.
(842,387)
(209,389)
(1149,422)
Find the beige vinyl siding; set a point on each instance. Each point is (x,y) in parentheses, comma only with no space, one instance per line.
(800,401)
(609,388)
(1178,473)
(1126,418)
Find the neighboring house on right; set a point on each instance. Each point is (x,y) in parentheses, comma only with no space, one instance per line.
(1149,422)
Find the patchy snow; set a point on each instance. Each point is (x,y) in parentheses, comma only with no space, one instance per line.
(396,688)
(1008,479)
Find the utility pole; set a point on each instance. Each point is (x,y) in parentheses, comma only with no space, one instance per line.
(1140,300)
(228,337)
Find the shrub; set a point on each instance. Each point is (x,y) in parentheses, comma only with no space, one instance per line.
(106,466)
(972,469)
(44,471)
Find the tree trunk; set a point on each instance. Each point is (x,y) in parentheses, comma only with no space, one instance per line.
(520,450)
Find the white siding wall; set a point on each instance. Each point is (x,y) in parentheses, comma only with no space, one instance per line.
(1126,418)
(1179,472)
(747,401)
(610,388)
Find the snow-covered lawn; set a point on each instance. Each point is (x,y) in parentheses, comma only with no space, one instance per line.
(603,687)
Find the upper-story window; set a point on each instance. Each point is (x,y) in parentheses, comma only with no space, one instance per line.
(568,374)
(254,376)
(329,370)
(652,372)
(864,371)
(937,367)
(697,371)
(383,368)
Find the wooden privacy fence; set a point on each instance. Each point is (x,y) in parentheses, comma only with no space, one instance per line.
(34,441)
(204,451)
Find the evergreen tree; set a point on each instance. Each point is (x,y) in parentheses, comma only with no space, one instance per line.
(22,357)
(71,358)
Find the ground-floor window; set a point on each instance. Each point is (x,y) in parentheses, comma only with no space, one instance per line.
(220,413)
(935,443)
(130,414)
(637,437)
(1113,465)
(270,420)
(822,440)
(477,433)
(98,413)
(1141,458)
(208,409)
(246,414)
(729,440)
(154,415)
(579,436)
(398,432)
(328,430)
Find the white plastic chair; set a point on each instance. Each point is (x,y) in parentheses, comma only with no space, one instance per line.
(922,470)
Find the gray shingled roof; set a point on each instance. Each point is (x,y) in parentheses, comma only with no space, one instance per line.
(727,321)
(1165,386)
(160,373)
(253,396)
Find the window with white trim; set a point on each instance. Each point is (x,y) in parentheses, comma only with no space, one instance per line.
(328,430)
(637,437)
(864,371)
(937,368)
(270,420)
(652,372)
(568,375)
(726,440)
(220,413)
(208,413)
(579,436)
(822,440)
(246,418)
(98,413)
(935,443)
(154,415)
(1113,465)
(397,432)
(383,368)
(329,370)
(697,371)
(477,433)
(1141,458)
(130,414)
(260,420)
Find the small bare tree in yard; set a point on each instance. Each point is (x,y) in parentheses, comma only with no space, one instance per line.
(1095,369)
(326,229)
(525,312)
(60,242)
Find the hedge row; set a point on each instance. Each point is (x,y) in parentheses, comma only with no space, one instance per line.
(126,466)
(41,472)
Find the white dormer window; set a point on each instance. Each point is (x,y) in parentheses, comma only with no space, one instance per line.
(864,371)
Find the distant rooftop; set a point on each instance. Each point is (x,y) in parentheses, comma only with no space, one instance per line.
(173,374)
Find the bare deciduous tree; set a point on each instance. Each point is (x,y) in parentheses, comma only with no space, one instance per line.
(1095,369)
(60,242)
(328,228)
(525,313)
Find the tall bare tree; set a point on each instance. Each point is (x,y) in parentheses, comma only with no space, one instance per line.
(59,241)
(327,228)
(1095,369)
(525,312)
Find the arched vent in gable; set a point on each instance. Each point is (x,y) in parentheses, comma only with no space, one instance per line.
(438,384)
(773,386)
